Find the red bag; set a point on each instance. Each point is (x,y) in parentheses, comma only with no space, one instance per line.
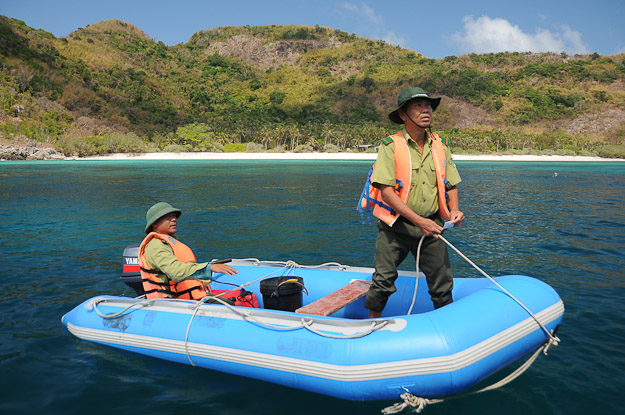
(245,299)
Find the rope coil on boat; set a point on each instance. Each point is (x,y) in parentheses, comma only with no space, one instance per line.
(409,400)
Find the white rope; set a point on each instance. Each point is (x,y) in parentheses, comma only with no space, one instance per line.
(416,283)
(256,280)
(409,400)
(186,336)
(419,403)
(97,301)
(249,317)
(218,298)
(293,264)
(325,264)
(553,338)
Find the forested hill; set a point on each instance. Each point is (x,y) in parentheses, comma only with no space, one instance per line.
(110,87)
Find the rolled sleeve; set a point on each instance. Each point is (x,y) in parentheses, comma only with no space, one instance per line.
(384,172)
(451,174)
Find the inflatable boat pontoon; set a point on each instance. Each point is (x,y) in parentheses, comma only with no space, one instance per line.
(431,353)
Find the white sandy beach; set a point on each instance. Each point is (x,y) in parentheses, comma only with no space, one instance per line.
(324,156)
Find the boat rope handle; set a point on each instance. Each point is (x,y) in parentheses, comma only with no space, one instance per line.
(551,336)
(419,403)
(374,326)
(93,304)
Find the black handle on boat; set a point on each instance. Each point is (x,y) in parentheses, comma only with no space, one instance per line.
(221,261)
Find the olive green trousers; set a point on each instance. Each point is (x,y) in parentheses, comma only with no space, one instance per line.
(392,246)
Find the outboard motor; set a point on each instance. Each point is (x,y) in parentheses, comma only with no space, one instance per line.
(131,275)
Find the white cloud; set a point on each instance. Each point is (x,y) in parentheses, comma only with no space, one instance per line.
(373,22)
(394,39)
(484,35)
(363,10)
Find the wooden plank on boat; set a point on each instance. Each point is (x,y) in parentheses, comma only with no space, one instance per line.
(340,298)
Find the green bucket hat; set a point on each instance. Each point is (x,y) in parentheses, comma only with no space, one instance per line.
(408,94)
(158,211)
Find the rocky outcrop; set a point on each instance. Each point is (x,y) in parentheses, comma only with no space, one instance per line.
(13,152)
(257,51)
(609,119)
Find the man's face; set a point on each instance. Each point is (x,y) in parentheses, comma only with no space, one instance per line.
(417,111)
(167,224)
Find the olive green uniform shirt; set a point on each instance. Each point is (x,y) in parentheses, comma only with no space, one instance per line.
(161,258)
(423,196)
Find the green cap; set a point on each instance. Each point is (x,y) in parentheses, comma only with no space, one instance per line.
(158,211)
(408,94)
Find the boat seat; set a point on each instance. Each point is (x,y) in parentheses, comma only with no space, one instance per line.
(340,298)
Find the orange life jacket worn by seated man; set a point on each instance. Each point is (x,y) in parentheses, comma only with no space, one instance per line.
(372,197)
(154,288)
(187,289)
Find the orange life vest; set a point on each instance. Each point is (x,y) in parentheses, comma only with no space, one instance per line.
(440,168)
(372,197)
(154,288)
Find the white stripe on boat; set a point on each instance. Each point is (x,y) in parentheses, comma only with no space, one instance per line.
(349,373)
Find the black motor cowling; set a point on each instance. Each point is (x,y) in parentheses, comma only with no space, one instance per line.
(131,275)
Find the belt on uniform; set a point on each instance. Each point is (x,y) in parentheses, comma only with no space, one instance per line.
(403,219)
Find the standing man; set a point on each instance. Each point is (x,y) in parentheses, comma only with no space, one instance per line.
(414,183)
(168,267)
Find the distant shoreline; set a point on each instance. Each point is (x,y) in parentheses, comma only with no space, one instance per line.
(323,156)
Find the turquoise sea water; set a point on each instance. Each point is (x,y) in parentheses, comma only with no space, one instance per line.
(65,224)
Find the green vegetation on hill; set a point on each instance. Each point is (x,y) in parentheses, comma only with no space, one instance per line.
(108,87)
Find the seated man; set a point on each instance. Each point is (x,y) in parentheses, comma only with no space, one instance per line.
(168,267)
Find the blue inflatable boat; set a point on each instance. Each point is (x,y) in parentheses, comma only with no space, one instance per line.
(431,353)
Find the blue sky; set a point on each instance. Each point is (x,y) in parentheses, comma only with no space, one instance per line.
(434,28)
